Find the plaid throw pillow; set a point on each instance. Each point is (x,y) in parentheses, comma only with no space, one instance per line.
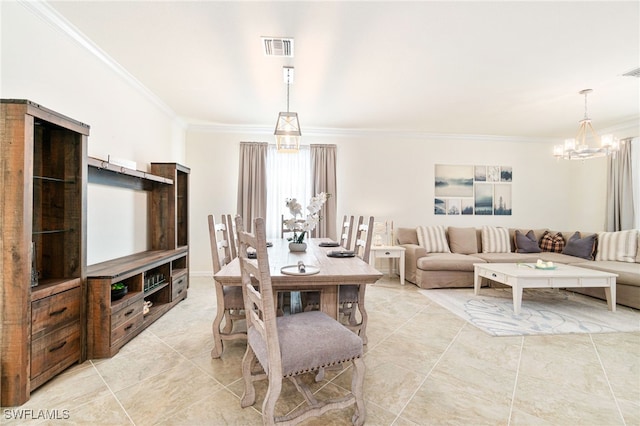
(552,243)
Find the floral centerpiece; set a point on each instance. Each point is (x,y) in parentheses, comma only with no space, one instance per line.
(300,229)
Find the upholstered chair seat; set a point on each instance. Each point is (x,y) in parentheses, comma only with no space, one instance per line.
(308,341)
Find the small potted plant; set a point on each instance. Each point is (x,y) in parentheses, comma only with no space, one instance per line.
(118,290)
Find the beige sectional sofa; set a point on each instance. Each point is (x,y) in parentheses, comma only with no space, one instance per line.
(455,268)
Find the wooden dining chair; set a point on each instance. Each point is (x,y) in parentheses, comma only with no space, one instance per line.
(347,232)
(288,347)
(351,296)
(230,304)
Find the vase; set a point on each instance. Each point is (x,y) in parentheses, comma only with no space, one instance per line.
(297,247)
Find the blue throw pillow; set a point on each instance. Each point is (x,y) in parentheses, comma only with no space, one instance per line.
(581,247)
(526,243)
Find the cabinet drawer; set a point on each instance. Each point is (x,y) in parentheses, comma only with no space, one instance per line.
(61,347)
(127,328)
(179,286)
(391,254)
(495,276)
(122,315)
(53,311)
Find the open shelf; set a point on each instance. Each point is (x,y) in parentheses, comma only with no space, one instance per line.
(113,323)
(103,172)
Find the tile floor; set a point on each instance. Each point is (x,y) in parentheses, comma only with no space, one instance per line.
(424,366)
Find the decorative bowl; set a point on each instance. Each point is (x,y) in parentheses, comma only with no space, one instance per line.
(119,293)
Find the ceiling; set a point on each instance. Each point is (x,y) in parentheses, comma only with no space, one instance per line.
(506,68)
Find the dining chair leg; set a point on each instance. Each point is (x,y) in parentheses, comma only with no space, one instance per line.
(248,362)
(216,352)
(363,314)
(357,388)
(270,399)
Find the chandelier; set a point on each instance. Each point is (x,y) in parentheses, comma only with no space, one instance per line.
(578,149)
(287,131)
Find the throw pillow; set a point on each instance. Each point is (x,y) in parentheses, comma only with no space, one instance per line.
(581,247)
(526,243)
(495,240)
(406,236)
(621,246)
(433,239)
(552,242)
(463,240)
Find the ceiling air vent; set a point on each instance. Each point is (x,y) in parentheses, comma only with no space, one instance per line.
(632,73)
(273,46)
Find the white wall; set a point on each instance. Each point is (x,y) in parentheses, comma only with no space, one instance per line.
(393,179)
(43,64)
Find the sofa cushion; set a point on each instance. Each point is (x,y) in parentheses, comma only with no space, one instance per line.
(508,257)
(581,247)
(406,236)
(448,262)
(462,240)
(495,240)
(433,239)
(526,243)
(549,256)
(621,246)
(628,273)
(552,242)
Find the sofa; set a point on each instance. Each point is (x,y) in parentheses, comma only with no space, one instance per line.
(439,257)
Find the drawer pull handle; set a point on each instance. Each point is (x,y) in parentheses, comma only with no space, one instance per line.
(126,314)
(180,291)
(127,328)
(493,275)
(58,312)
(58,347)
(387,253)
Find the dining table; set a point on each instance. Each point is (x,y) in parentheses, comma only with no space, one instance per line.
(328,268)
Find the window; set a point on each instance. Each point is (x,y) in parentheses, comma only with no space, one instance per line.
(288,176)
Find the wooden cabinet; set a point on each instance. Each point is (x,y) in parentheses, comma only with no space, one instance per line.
(43,226)
(169,207)
(156,276)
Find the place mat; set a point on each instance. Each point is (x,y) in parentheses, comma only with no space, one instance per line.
(329,244)
(341,253)
(293,270)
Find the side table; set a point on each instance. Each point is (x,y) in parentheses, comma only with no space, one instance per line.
(389,252)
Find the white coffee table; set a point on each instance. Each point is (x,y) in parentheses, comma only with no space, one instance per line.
(524,275)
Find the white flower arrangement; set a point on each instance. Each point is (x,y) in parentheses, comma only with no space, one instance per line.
(300,229)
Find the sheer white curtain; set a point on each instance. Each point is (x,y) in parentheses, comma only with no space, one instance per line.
(288,176)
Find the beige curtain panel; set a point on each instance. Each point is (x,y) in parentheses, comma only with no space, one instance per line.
(252,182)
(323,175)
(620,214)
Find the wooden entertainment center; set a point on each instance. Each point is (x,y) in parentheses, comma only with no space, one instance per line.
(55,310)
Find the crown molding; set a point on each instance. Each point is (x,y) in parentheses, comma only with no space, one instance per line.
(45,11)
(361,133)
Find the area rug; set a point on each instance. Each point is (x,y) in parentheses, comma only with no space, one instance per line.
(544,311)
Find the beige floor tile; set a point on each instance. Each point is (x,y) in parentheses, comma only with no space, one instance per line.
(146,356)
(162,396)
(105,410)
(217,408)
(444,401)
(77,386)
